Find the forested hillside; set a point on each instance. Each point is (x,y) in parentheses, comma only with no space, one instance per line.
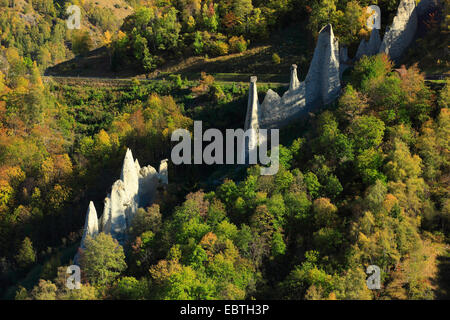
(362,181)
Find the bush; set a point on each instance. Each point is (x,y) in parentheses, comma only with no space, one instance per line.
(276,58)
(237,44)
(198,44)
(219,48)
(176,81)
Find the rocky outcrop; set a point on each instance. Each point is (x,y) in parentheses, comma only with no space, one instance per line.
(136,188)
(401,33)
(163,171)
(130,178)
(90,226)
(148,184)
(321,86)
(116,220)
(252,119)
(322,81)
(294,83)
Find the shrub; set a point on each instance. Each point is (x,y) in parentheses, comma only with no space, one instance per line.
(237,44)
(219,48)
(276,58)
(198,43)
(176,81)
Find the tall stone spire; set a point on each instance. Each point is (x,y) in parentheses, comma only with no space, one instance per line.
(252,120)
(118,205)
(137,187)
(402,31)
(130,178)
(90,228)
(90,224)
(163,171)
(137,165)
(294,83)
(331,81)
(323,84)
(323,81)
(130,175)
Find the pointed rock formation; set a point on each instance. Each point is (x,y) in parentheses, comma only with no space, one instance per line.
(322,81)
(136,188)
(137,165)
(148,183)
(252,119)
(402,31)
(323,84)
(163,171)
(270,109)
(90,227)
(129,174)
(294,83)
(117,218)
(91,223)
(331,82)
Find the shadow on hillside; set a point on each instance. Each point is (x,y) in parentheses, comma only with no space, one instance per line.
(442,291)
(94,64)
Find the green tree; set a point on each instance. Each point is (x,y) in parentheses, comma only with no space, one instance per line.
(325,213)
(402,165)
(26,255)
(45,290)
(323,12)
(81,42)
(129,288)
(312,184)
(367,132)
(102,260)
(351,104)
(145,220)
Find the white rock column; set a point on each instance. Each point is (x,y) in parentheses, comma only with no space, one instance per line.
(294,83)
(90,227)
(130,178)
(323,82)
(130,175)
(252,120)
(119,204)
(330,77)
(402,31)
(91,223)
(164,171)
